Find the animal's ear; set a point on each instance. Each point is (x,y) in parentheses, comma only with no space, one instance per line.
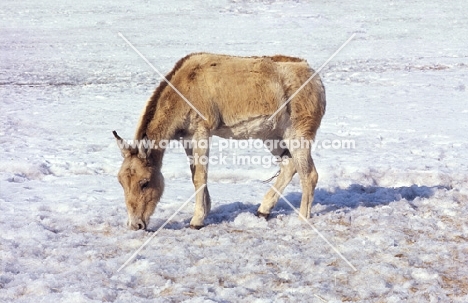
(125,148)
(144,148)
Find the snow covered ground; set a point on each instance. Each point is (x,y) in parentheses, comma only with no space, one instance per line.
(395,206)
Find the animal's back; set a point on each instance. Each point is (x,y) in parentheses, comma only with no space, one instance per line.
(240,88)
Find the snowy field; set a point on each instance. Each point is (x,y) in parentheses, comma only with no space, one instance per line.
(395,206)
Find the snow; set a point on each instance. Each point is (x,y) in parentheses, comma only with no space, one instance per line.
(395,206)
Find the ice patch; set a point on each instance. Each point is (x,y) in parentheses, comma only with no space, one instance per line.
(250,221)
(22,171)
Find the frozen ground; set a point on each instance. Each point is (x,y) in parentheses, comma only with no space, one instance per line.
(395,206)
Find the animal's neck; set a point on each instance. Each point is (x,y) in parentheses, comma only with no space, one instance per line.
(159,131)
(157,156)
(160,138)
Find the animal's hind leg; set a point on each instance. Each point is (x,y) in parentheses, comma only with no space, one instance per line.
(287,171)
(309,177)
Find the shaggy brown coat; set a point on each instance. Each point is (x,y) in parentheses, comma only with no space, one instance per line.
(237,95)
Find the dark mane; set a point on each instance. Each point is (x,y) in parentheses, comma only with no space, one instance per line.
(152,104)
(281,58)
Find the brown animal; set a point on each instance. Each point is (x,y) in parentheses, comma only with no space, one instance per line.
(237,95)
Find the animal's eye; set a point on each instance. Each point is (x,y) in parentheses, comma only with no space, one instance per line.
(144,184)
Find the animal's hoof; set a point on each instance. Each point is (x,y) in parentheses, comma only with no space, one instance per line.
(262,215)
(197,227)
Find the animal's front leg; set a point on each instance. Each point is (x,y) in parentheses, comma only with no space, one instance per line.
(199,169)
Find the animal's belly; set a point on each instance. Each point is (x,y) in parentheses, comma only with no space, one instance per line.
(255,128)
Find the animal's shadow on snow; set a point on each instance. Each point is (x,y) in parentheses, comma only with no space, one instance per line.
(338,199)
(225,212)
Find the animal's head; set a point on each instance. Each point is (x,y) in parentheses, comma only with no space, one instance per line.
(142,182)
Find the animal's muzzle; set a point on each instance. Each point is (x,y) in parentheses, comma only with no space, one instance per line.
(136,224)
